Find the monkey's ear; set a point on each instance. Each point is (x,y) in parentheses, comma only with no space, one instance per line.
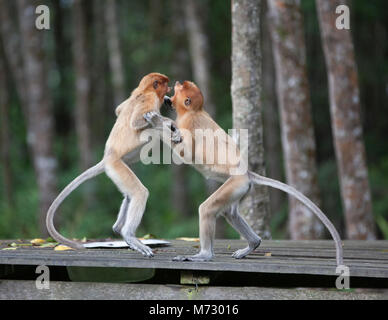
(187,101)
(155,85)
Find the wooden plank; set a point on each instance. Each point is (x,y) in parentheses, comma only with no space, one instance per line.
(364,258)
(23,290)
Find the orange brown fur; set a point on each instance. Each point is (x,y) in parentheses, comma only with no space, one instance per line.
(124,141)
(188,102)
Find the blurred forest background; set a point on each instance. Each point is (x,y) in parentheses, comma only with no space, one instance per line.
(59,89)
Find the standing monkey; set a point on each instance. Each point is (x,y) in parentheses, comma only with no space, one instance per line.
(140,111)
(188,102)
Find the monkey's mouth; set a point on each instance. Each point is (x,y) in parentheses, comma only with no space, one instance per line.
(167,101)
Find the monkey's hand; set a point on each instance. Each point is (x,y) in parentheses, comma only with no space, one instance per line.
(153,118)
(157,121)
(176,136)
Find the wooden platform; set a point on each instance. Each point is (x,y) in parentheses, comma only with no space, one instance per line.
(364,258)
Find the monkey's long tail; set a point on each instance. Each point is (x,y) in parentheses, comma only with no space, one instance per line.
(88,174)
(260,180)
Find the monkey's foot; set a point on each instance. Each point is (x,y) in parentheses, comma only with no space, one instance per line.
(200,257)
(116,229)
(239,254)
(135,244)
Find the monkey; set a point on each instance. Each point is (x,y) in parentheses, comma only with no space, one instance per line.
(140,111)
(188,102)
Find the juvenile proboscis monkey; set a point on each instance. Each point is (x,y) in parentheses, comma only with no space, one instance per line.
(188,102)
(140,111)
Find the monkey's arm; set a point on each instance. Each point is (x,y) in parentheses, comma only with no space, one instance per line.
(145,103)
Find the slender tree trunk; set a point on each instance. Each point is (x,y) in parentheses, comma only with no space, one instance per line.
(102,103)
(195,15)
(246,91)
(272,143)
(5,133)
(199,50)
(82,85)
(40,121)
(11,43)
(346,122)
(179,71)
(295,109)
(155,16)
(115,59)
(63,59)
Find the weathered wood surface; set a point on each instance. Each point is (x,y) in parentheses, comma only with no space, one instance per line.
(22,290)
(364,258)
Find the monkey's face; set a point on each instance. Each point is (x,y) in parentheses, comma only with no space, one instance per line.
(187,97)
(156,82)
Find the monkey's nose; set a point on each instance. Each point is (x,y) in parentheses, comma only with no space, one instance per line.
(167,101)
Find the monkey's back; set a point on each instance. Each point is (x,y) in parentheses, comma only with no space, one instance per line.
(224,153)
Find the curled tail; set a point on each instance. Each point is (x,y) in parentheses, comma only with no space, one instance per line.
(260,180)
(88,174)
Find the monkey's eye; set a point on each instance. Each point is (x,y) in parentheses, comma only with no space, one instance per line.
(187,102)
(156,84)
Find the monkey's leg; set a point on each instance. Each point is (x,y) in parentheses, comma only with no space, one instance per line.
(232,190)
(130,186)
(241,226)
(121,216)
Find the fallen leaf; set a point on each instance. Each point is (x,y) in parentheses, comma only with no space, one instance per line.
(228,247)
(62,247)
(37,242)
(148,236)
(84,239)
(15,245)
(13,248)
(48,245)
(268,254)
(188,239)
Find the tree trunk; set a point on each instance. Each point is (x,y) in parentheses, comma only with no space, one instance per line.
(346,122)
(115,59)
(103,98)
(199,51)
(295,110)
(246,99)
(179,71)
(11,43)
(195,15)
(272,144)
(40,121)
(82,86)
(5,137)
